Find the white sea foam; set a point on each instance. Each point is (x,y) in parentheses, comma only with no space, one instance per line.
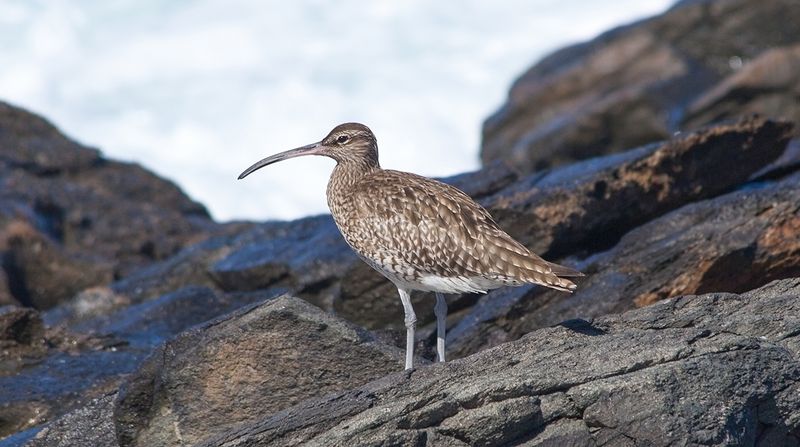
(197,90)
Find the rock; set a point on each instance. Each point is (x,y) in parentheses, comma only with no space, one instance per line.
(711,370)
(487,181)
(44,275)
(632,85)
(91,219)
(769,85)
(255,361)
(187,267)
(31,143)
(6,297)
(152,322)
(88,304)
(19,325)
(307,255)
(89,426)
(786,164)
(731,243)
(50,386)
(587,206)
(93,355)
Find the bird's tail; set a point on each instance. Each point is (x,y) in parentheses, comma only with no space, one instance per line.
(558,273)
(535,270)
(551,280)
(527,267)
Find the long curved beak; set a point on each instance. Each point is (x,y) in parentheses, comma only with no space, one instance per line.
(309,149)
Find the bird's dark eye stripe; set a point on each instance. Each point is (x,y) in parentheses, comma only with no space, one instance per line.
(342,138)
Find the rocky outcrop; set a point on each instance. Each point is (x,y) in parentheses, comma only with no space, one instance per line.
(770,83)
(717,369)
(587,206)
(642,82)
(109,330)
(732,243)
(70,219)
(128,317)
(258,360)
(68,365)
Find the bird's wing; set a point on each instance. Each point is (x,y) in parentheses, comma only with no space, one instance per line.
(421,222)
(439,230)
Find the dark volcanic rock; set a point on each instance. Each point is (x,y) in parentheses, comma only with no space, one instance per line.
(6,297)
(20,325)
(770,84)
(93,219)
(125,277)
(44,274)
(718,369)
(93,356)
(89,426)
(589,205)
(307,255)
(256,361)
(31,143)
(632,85)
(731,243)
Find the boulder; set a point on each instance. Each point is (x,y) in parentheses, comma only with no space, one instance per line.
(716,369)
(89,219)
(43,273)
(255,361)
(632,85)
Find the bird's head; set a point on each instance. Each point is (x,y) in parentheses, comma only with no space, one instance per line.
(349,144)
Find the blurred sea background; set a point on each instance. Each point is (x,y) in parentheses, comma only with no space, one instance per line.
(197,90)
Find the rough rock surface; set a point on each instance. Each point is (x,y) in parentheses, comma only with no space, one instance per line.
(717,369)
(20,325)
(255,361)
(91,358)
(588,205)
(89,426)
(632,85)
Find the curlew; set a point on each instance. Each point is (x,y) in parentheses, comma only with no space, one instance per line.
(419,233)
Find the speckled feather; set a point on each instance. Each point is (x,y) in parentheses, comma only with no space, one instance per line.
(423,234)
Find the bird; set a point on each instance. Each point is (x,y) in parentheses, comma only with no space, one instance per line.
(420,233)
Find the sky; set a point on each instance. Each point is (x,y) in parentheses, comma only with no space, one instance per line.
(198,90)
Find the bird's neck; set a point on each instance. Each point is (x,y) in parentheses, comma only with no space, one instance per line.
(343,180)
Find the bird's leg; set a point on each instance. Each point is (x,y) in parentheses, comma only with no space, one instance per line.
(440,309)
(411,324)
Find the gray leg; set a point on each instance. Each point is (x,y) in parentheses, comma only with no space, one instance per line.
(440,309)
(411,325)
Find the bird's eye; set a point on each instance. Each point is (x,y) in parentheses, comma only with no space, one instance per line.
(342,139)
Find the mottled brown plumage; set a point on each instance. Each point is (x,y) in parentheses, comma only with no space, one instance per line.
(420,233)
